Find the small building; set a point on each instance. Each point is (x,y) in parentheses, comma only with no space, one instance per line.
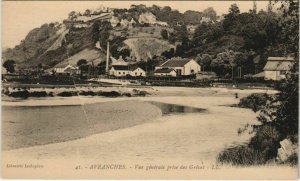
(65,70)
(126,70)
(182,66)
(138,72)
(165,72)
(278,68)
(114,21)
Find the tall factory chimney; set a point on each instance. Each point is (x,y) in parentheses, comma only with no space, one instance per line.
(107,57)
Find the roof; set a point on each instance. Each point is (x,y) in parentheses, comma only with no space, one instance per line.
(175,62)
(278,65)
(164,70)
(261,74)
(135,68)
(121,67)
(281,59)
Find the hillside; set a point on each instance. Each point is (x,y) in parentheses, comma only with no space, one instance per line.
(144,48)
(90,54)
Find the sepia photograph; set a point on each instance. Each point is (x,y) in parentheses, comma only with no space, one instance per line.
(150,90)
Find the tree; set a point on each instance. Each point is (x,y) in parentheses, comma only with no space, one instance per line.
(204,60)
(87,12)
(72,15)
(210,13)
(164,34)
(81,62)
(9,65)
(234,9)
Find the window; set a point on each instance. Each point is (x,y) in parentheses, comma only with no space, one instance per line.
(192,71)
(135,73)
(141,74)
(119,72)
(124,73)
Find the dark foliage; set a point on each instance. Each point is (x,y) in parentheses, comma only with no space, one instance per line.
(254,101)
(67,94)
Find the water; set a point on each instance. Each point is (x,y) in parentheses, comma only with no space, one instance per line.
(176,109)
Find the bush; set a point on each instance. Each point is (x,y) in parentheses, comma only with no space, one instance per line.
(109,94)
(20,94)
(38,94)
(126,94)
(51,94)
(67,94)
(241,155)
(87,93)
(254,101)
(261,148)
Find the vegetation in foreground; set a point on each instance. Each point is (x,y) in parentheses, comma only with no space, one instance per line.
(25,94)
(276,137)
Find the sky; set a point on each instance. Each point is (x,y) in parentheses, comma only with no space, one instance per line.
(19,17)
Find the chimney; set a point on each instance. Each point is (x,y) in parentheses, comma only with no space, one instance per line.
(107,57)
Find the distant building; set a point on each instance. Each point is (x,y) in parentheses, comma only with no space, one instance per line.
(125,70)
(205,20)
(278,68)
(114,21)
(165,72)
(65,70)
(181,66)
(138,72)
(191,29)
(119,61)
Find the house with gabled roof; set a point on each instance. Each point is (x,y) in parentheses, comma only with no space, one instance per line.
(165,72)
(182,66)
(126,70)
(278,68)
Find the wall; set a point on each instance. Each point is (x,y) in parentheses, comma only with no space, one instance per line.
(192,65)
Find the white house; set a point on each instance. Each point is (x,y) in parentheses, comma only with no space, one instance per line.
(65,69)
(181,66)
(165,72)
(125,70)
(138,72)
(114,21)
(278,68)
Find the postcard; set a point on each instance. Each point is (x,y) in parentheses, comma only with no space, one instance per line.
(150,90)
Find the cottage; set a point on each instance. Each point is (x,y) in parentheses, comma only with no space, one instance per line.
(278,68)
(165,72)
(125,70)
(138,72)
(181,66)
(65,70)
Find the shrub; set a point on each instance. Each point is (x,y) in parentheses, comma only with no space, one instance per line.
(87,93)
(67,94)
(38,94)
(241,155)
(51,94)
(109,94)
(126,94)
(254,101)
(20,94)
(261,148)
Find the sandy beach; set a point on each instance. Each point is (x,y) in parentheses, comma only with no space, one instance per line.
(124,137)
